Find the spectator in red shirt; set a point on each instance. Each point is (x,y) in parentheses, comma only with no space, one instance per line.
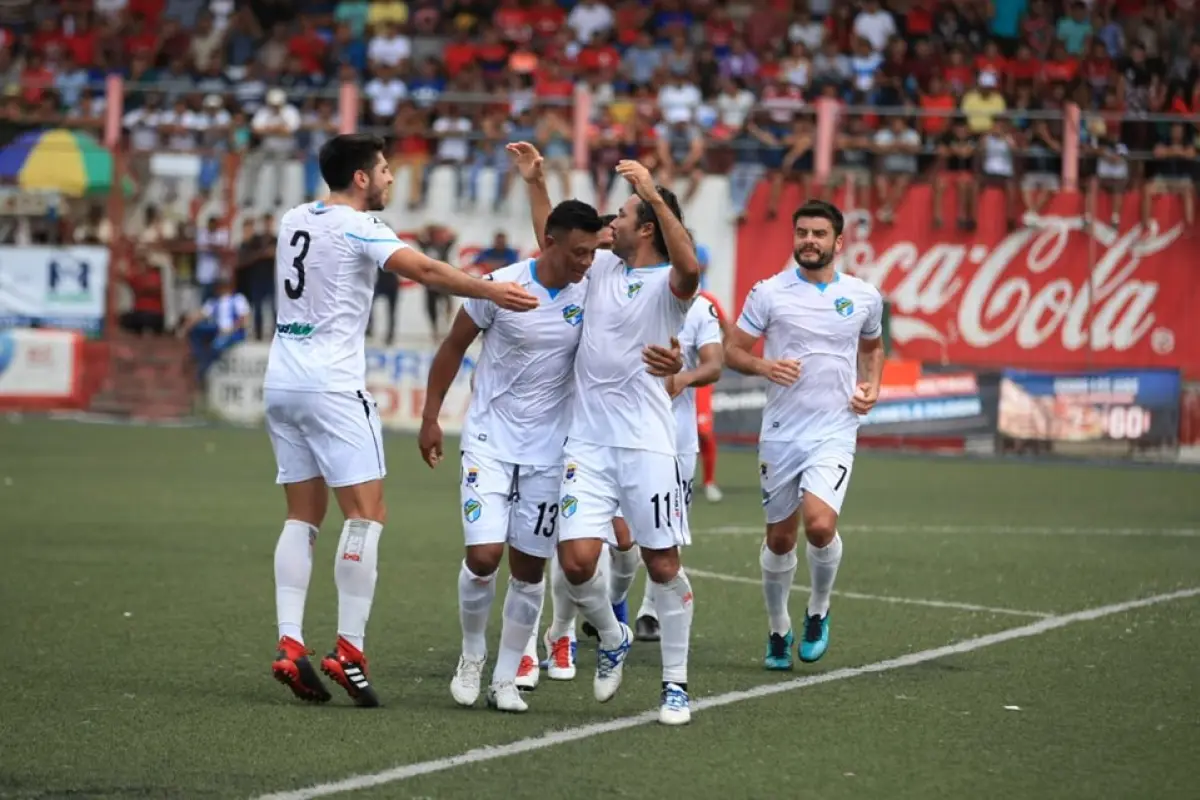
(142,39)
(146,316)
(546,17)
(491,54)
(459,53)
(991,59)
(598,55)
(512,20)
(308,46)
(36,79)
(1025,69)
(1062,67)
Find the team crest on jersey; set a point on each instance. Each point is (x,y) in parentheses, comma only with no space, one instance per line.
(472,509)
(570,473)
(632,289)
(844,306)
(472,476)
(568,506)
(573,314)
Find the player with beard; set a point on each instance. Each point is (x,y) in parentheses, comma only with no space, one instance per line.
(324,426)
(824,359)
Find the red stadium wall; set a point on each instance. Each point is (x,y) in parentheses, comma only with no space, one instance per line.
(1026,298)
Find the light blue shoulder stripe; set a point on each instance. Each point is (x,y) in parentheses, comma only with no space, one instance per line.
(356,237)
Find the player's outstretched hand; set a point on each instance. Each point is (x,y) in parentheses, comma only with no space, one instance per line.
(527,160)
(639,178)
(430,442)
(662,362)
(865,397)
(784,372)
(513,297)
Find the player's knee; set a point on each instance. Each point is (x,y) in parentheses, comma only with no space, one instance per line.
(820,529)
(576,565)
(781,536)
(484,560)
(661,565)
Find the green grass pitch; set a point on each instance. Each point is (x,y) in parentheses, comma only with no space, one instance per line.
(137,616)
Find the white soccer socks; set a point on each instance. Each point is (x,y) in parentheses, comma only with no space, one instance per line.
(293,569)
(647,608)
(777,574)
(673,600)
(822,570)
(563,611)
(475,595)
(522,607)
(622,571)
(591,597)
(354,572)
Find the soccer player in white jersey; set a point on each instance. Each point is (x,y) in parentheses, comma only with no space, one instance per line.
(620,451)
(703,355)
(323,425)
(824,359)
(512,443)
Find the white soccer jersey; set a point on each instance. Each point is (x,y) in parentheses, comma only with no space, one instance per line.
(522,391)
(617,402)
(326,258)
(701,327)
(819,324)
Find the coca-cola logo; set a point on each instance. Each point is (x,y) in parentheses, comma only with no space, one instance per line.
(1028,287)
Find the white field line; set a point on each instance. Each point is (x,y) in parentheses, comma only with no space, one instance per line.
(559,737)
(883,598)
(985,530)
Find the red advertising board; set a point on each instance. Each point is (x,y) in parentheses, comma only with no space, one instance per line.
(1055,294)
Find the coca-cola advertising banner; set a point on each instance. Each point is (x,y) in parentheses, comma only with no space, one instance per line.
(1058,292)
(1136,406)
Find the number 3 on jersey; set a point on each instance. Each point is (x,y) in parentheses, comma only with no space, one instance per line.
(302,239)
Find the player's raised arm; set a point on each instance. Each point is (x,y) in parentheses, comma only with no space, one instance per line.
(528,161)
(417,266)
(681,251)
(443,370)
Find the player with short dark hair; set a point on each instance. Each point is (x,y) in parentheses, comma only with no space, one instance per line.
(824,360)
(324,426)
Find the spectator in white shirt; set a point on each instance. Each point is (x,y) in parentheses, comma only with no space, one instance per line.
(588,18)
(896,146)
(385,91)
(212,245)
(390,47)
(734,103)
(276,125)
(452,130)
(875,24)
(678,99)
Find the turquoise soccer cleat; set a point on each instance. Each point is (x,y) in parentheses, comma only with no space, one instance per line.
(779,652)
(816,637)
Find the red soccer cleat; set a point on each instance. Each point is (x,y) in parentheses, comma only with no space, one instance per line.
(348,667)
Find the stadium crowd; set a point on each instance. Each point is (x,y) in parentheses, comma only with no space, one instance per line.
(972,90)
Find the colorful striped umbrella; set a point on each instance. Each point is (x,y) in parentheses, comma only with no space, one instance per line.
(58,160)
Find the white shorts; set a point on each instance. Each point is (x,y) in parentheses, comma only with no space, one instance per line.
(786,472)
(332,435)
(509,503)
(599,483)
(687,473)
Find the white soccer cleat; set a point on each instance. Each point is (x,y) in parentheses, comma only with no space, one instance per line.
(467,679)
(561,662)
(505,696)
(676,707)
(528,674)
(609,666)
(713,493)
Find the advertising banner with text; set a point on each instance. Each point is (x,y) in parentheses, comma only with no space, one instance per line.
(1058,292)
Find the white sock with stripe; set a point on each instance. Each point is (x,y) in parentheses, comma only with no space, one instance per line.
(355,570)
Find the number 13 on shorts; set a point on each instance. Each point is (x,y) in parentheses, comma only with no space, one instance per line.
(786,473)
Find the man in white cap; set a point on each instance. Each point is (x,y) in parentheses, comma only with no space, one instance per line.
(275,125)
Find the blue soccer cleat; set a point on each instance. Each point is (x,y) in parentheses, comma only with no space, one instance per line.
(816,637)
(779,652)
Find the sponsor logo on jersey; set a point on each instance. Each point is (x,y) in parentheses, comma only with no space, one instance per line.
(471,510)
(573,314)
(633,289)
(296,330)
(844,306)
(568,506)
(472,476)
(570,474)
